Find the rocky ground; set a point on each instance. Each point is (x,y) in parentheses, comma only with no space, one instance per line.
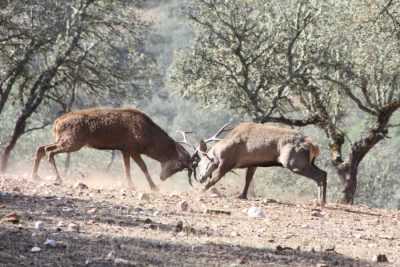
(75,224)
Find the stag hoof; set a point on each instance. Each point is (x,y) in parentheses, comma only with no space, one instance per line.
(242,196)
(131,187)
(154,188)
(36,177)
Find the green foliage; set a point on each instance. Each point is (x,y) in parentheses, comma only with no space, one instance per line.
(325,63)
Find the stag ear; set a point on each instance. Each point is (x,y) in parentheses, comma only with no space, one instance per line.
(203,146)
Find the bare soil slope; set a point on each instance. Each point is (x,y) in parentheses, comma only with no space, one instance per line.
(117,227)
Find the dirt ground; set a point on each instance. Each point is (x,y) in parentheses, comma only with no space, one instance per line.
(117,227)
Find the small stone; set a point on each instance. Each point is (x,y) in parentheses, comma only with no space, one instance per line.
(110,255)
(92,211)
(35,249)
(179,226)
(81,186)
(39,225)
(148,221)
(215,193)
(144,196)
(255,212)
(174,195)
(121,261)
(330,249)
(60,224)
(156,213)
(50,243)
(66,209)
(315,213)
(73,227)
(10,218)
(380,258)
(17,189)
(183,206)
(322,264)
(234,234)
(268,201)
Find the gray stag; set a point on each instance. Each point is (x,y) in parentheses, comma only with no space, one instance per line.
(252,145)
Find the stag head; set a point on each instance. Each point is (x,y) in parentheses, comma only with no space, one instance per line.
(200,158)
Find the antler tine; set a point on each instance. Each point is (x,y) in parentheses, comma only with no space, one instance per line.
(221,130)
(185,141)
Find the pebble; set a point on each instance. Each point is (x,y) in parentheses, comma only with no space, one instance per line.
(11,218)
(183,206)
(255,212)
(39,225)
(234,234)
(179,226)
(35,249)
(81,186)
(121,261)
(92,211)
(110,255)
(50,243)
(316,213)
(215,193)
(73,227)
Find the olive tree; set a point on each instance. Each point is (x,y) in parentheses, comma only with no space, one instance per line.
(299,63)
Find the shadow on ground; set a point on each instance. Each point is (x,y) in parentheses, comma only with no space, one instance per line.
(84,249)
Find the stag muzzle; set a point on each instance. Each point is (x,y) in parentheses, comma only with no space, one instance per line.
(192,170)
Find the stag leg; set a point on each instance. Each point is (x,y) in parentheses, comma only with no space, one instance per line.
(139,161)
(40,153)
(220,172)
(249,176)
(127,166)
(319,176)
(57,149)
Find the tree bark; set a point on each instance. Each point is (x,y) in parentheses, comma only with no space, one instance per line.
(348,170)
(18,131)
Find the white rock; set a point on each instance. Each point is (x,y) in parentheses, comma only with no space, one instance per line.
(66,209)
(35,249)
(60,224)
(50,243)
(255,212)
(156,213)
(110,255)
(39,225)
(235,234)
(92,211)
(121,261)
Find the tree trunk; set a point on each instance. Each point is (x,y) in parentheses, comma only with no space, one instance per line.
(348,175)
(19,130)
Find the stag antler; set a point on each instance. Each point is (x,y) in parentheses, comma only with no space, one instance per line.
(194,156)
(215,138)
(185,140)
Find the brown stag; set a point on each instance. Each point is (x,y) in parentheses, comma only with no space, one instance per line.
(125,129)
(252,145)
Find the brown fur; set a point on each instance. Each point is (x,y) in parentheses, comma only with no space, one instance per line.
(126,129)
(251,145)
